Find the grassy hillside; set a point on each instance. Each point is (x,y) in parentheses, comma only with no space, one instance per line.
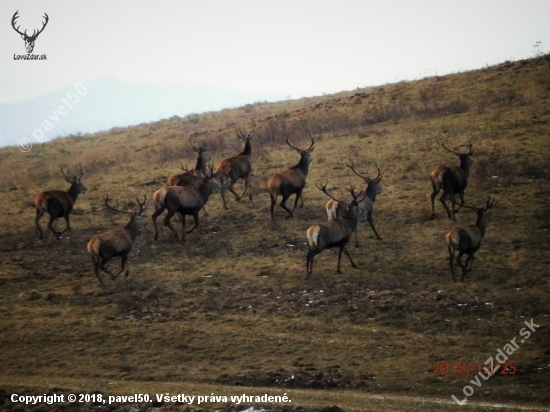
(230,310)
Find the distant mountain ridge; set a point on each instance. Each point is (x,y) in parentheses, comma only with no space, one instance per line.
(108,102)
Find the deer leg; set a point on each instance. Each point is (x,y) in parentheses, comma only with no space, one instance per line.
(182,220)
(353,265)
(222,192)
(50,226)
(451,260)
(205,212)
(459,262)
(154,217)
(196,219)
(123,266)
(283,205)
(230,188)
(461,203)
(273,201)
(166,221)
(471,263)
(67,224)
(340,249)
(298,196)
(301,201)
(434,194)
(309,262)
(371,223)
(96,270)
(102,262)
(39,214)
(245,190)
(443,200)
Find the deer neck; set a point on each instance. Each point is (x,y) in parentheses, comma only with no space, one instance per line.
(200,167)
(73,192)
(371,192)
(465,165)
(247,149)
(303,165)
(481,224)
(132,228)
(351,218)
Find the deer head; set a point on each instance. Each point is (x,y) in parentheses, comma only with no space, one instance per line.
(29,40)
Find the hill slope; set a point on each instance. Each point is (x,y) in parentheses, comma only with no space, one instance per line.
(231,307)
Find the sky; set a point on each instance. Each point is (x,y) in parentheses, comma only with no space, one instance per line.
(273,49)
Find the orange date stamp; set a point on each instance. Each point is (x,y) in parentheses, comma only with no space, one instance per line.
(465,368)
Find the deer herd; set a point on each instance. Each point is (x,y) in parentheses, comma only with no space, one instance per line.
(187,193)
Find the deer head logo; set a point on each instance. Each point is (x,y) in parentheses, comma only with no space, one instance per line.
(29,40)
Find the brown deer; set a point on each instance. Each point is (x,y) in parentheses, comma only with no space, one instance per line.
(187,178)
(452,179)
(333,233)
(336,209)
(185,200)
(58,203)
(237,167)
(467,240)
(116,242)
(290,181)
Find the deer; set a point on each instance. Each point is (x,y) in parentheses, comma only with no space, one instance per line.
(333,233)
(29,40)
(187,178)
(290,181)
(467,240)
(237,167)
(116,242)
(336,209)
(58,203)
(452,179)
(185,200)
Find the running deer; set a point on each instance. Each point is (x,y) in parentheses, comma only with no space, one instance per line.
(336,209)
(237,167)
(290,181)
(186,200)
(58,203)
(187,178)
(452,179)
(116,242)
(333,233)
(467,240)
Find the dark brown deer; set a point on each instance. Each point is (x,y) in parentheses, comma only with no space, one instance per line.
(290,181)
(336,209)
(237,167)
(29,40)
(467,240)
(58,203)
(188,177)
(116,242)
(333,233)
(452,179)
(186,200)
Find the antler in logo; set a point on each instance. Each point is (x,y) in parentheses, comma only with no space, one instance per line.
(29,40)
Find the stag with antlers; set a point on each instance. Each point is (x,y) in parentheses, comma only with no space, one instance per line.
(58,203)
(116,242)
(336,209)
(333,233)
(467,240)
(237,167)
(29,40)
(186,200)
(187,178)
(452,179)
(290,181)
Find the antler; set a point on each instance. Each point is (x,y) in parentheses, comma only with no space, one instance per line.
(185,169)
(312,143)
(15,16)
(288,143)
(469,152)
(142,204)
(366,178)
(324,190)
(243,135)
(488,205)
(43,26)
(81,172)
(352,192)
(116,210)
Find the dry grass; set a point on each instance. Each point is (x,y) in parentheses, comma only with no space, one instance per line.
(231,306)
